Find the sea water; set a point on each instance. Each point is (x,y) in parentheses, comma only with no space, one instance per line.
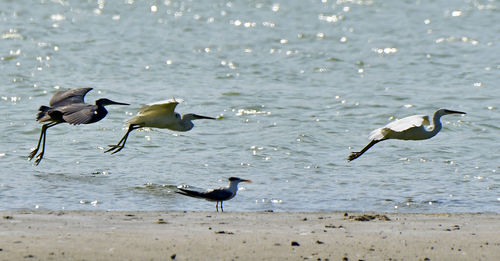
(296,86)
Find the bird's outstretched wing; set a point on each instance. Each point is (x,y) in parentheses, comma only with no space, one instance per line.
(399,126)
(77,113)
(408,122)
(71,96)
(166,105)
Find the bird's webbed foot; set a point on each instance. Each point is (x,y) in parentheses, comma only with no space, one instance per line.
(353,156)
(114,149)
(32,154)
(38,158)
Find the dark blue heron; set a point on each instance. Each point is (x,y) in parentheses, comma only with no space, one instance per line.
(69,106)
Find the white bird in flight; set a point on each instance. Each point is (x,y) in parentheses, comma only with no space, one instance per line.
(158,115)
(219,194)
(409,128)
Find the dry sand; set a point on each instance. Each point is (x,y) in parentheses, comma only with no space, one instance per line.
(124,235)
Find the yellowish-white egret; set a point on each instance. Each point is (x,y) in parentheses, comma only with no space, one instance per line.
(69,106)
(219,194)
(158,115)
(409,128)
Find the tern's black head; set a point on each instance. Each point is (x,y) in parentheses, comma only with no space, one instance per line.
(104,102)
(236,179)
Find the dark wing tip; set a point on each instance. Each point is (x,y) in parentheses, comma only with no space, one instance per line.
(187,192)
(42,111)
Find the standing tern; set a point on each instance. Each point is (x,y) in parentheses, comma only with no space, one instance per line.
(219,194)
(158,115)
(69,106)
(409,128)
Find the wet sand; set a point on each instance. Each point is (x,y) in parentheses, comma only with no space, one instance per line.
(127,235)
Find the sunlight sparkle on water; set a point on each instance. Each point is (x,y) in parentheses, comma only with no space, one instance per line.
(12,34)
(329,18)
(57,17)
(275,7)
(268,24)
(387,50)
(241,112)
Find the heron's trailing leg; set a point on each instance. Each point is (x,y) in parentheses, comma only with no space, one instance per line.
(34,151)
(121,144)
(221,208)
(43,134)
(355,155)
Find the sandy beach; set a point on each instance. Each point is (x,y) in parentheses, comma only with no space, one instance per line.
(124,235)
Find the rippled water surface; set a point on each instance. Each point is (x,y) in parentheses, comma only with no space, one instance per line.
(296,86)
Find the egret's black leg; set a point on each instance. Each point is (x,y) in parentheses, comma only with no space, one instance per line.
(121,144)
(221,206)
(217,206)
(41,140)
(355,155)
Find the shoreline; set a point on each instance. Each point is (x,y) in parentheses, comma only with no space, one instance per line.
(207,235)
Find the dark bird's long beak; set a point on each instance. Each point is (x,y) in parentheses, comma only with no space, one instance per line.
(246,180)
(456,112)
(117,103)
(197,117)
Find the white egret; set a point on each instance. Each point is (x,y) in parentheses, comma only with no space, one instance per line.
(409,128)
(219,194)
(69,106)
(158,115)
